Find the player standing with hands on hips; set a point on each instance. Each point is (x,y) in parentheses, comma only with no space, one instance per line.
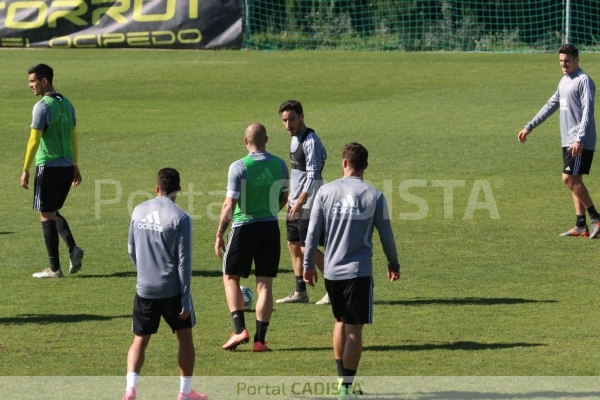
(347,210)
(575,98)
(53,145)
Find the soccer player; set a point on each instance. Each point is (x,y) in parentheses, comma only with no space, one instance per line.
(53,145)
(575,98)
(160,246)
(347,210)
(257,189)
(308,157)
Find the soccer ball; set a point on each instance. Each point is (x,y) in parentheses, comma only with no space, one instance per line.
(248,297)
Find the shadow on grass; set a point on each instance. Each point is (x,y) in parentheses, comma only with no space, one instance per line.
(453,346)
(284,271)
(466,301)
(431,346)
(7,233)
(492,395)
(126,274)
(455,394)
(44,319)
(213,273)
(121,274)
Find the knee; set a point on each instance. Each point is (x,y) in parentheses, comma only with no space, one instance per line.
(295,248)
(570,181)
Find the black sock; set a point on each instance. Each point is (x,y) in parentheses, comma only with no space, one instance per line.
(340,367)
(65,232)
(348,377)
(592,212)
(580,221)
(300,284)
(261,331)
(239,323)
(51,239)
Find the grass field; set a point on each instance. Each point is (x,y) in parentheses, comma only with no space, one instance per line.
(495,294)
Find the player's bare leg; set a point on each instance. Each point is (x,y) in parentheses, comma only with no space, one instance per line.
(299,294)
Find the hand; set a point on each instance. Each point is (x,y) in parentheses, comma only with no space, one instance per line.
(183,315)
(575,149)
(393,275)
(295,210)
(25,180)
(219,246)
(310,276)
(523,135)
(76,177)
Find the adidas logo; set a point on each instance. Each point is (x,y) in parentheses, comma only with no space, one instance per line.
(568,169)
(345,206)
(151,222)
(265,178)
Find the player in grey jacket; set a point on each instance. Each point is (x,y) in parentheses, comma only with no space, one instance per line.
(575,99)
(307,156)
(348,210)
(160,246)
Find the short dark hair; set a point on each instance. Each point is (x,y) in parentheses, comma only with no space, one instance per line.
(568,49)
(293,105)
(356,155)
(42,71)
(167,180)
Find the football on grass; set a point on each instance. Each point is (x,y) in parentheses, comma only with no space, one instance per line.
(248,297)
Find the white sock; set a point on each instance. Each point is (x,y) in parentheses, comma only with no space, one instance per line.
(185,384)
(132,380)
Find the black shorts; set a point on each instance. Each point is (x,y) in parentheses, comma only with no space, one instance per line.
(259,242)
(51,187)
(352,299)
(298,229)
(147,313)
(579,165)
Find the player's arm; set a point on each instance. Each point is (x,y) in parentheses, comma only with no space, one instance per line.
(313,157)
(224,221)
(283,198)
(386,236)
(32,146)
(184,250)
(547,110)
(235,176)
(315,225)
(75,149)
(314,160)
(285,185)
(131,244)
(587,108)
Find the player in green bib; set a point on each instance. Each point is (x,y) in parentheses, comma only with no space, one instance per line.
(257,189)
(53,145)
(260,198)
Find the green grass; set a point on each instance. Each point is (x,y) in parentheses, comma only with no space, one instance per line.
(477,296)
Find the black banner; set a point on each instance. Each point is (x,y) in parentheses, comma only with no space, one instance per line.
(178,24)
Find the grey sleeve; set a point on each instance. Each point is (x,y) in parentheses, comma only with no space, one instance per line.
(551,106)
(314,160)
(587,91)
(131,244)
(386,235)
(184,251)
(236,174)
(40,116)
(315,226)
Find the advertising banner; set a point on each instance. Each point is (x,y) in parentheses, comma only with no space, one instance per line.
(176,24)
